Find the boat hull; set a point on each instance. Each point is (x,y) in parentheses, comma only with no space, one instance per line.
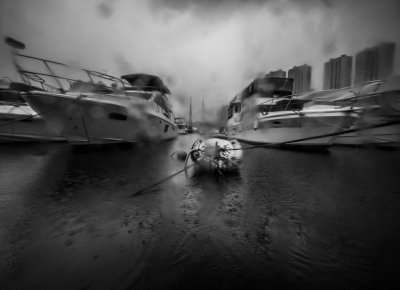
(21,125)
(382,136)
(290,126)
(217,154)
(102,119)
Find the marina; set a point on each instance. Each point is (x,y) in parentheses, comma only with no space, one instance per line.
(132,197)
(189,144)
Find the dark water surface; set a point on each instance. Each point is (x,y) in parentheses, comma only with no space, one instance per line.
(289,220)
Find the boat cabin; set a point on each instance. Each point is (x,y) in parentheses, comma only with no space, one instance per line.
(145,82)
(151,88)
(265,95)
(269,87)
(235,106)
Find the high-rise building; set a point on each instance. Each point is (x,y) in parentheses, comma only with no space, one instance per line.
(375,63)
(276,74)
(337,72)
(302,78)
(386,52)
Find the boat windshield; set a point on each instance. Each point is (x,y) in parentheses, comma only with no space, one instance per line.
(268,87)
(234,108)
(286,104)
(140,94)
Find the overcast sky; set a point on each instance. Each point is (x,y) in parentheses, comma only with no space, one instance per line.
(205,49)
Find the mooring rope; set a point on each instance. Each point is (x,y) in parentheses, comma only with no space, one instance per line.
(266,145)
(161,181)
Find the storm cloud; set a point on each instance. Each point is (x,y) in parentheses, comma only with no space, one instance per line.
(202,49)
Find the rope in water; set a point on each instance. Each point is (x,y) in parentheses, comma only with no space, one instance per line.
(266,145)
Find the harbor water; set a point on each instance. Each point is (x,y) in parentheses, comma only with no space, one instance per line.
(290,219)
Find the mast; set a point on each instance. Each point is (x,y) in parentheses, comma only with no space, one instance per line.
(190,113)
(203,115)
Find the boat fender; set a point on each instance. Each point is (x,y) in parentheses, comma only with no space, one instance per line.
(255,125)
(181,155)
(301,114)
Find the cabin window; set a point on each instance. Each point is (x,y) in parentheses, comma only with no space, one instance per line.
(230,113)
(118,116)
(166,128)
(264,109)
(237,108)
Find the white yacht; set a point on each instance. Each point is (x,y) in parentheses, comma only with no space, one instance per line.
(103,109)
(266,112)
(182,125)
(18,122)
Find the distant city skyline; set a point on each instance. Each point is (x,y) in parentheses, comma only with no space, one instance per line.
(371,63)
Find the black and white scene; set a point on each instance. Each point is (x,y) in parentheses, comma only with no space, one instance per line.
(199,144)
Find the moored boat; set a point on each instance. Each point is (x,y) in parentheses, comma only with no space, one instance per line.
(102,109)
(182,125)
(217,153)
(266,112)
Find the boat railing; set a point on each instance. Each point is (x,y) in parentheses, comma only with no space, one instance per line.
(32,77)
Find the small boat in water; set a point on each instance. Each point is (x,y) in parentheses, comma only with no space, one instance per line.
(18,121)
(217,153)
(101,109)
(182,125)
(266,112)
